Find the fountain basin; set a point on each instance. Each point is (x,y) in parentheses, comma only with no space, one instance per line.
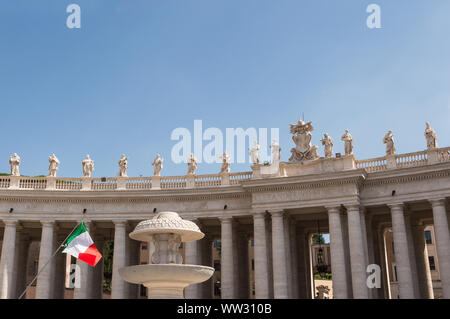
(166,281)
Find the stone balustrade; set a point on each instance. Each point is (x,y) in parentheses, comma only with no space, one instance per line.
(431,156)
(427,157)
(122,183)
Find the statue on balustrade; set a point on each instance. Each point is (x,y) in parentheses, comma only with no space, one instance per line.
(157,165)
(14,161)
(303,150)
(276,150)
(87,166)
(225,163)
(348,143)
(254,153)
(53,167)
(328,143)
(431,137)
(123,166)
(192,164)
(389,141)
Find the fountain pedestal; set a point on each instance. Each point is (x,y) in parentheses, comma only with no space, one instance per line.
(166,277)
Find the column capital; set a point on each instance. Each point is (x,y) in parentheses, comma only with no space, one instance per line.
(439,202)
(353,207)
(278,213)
(120,222)
(396,206)
(333,209)
(10,222)
(226,219)
(259,215)
(48,222)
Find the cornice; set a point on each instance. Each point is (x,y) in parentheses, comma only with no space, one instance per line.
(407,175)
(182,195)
(355,177)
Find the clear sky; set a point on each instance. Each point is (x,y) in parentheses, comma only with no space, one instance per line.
(136,70)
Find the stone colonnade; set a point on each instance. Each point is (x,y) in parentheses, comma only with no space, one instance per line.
(282,258)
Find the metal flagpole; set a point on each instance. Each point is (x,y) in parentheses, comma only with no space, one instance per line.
(54,254)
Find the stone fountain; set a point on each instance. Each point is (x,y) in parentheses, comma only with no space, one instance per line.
(166,276)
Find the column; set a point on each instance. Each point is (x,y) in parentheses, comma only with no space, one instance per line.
(401,250)
(301,265)
(269,256)
(86,273)
(385,264)
(7,284)
(423,266)
(309,267)
(412,255)
(260,256)
(60,269)
(21,264)
(132,258)
(378,258)
(118,285)
(243,265)
(362,214)
(357,253)
(373,292)
(97,284)
(337,251)
(442,243)
(348,270)
(206,255)
(44,285)
(191,258)
(294,258)
(227,259)
(287,244)
(280,284)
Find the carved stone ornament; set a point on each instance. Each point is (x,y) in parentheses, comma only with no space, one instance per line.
(303,150)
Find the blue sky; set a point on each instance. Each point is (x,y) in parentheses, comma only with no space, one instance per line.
(137,70)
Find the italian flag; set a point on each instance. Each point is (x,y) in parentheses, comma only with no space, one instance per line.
(81,246)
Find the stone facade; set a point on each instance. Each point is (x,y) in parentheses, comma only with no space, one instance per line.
(356,201)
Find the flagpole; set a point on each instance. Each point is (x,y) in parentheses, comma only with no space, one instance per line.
(60,246)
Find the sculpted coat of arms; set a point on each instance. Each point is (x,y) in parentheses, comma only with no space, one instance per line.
(303,150)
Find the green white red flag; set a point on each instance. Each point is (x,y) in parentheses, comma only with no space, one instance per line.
(81,246)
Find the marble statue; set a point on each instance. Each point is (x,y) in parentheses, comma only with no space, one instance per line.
(276,150)
(303,150)
(87,166)
(348,143)
(389,141)
(157,165)
(14,161)
(254,153)
(328,143)
(225,163)
(431,137)
(192,164)
(123,166)
(173,246)
(53,167)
